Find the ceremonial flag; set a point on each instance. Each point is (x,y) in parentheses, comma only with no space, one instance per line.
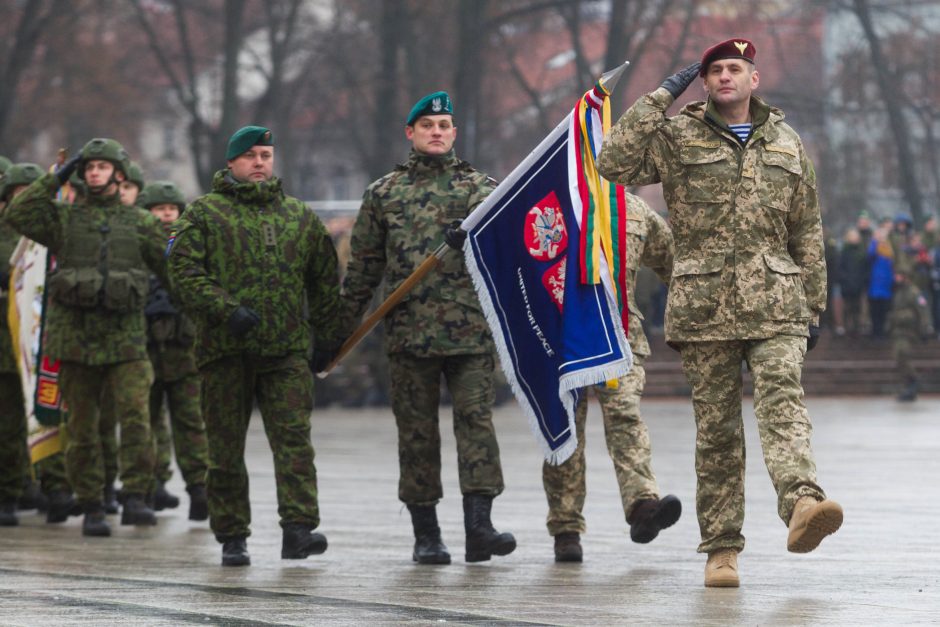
(540,250)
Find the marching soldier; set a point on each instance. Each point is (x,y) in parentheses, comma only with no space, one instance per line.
(257,271)
(649,243)
(438,330)
(96,319)
(170,342)
(748,284)
(908,324)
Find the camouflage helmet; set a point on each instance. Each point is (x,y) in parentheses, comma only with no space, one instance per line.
(105,150)
(161,192)
(19,174)
(4,164)
(135,174)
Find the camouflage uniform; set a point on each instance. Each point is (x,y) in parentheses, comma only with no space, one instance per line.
(438,329)
(14,455)
(249,244)
(748,278)
(908,324)
(649,243)
(99,335)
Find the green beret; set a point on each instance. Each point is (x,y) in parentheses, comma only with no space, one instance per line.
(437,103)
(246,137)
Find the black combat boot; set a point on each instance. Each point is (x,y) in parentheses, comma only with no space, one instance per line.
(429,548)
(136,512)
(32,498)
(164,500)
(235,552)
(483,541)
(198,502)
(95,524)
(61,506)
(8,514)
(301,541)
(111,505)
(650,516)
(568,547)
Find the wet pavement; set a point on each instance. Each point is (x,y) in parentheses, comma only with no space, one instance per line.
(878,458)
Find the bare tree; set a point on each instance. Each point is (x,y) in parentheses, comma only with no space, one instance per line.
(471,28)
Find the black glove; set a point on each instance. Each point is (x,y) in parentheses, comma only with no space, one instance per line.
(455,236)
(242,321)
(322,357)
(67,168)
(680,81)
(813,337)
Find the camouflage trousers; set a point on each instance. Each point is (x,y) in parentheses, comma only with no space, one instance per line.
(51,472)
(628,443)
(83,388)
(189,431)
(14,454)
(713,370)
(901,348)
(283,387)
(107,427)
(416,396)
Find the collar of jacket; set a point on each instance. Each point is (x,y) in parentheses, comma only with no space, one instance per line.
(419,163)
(103,200)
(761,114)
(264,193)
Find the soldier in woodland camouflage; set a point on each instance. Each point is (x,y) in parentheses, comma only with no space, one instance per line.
(748,284)
(256,270)
(95,320)
(649,243)
(439,329)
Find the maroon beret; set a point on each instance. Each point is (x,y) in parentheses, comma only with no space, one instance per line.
(731,49)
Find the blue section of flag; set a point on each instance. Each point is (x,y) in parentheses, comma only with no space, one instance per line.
(547,354)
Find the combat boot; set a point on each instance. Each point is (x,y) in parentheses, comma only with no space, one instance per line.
(810,522)
(568,547)
(164,500)
(8,514)
(721,569)
(95,524)
(483,541)
(300,541)
(429,547)
(235,552)
(909,393)
(111,505)
(198,502)
(61,506)
(32,498)
(136,512)
(650,516)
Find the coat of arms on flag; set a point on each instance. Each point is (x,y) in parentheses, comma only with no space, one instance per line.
(556,330)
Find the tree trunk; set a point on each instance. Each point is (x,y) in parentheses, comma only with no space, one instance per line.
(469,79)
(388,122)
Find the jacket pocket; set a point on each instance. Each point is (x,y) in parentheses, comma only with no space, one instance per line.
(76,287)
(126,290)
(708,173)
(695,291)
(783,285)
(779,176)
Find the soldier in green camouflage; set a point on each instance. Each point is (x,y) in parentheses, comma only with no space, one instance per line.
(95,320)
(14,454)
(439,329)
(256,269)
(171,344)
(649,243)
(908,324)
(748,280)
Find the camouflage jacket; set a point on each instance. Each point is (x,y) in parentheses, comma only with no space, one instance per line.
(250,244)
(401,222)
(649,243)
(8,240)
(171,334)
(94,336)
(909,316)
(749,260)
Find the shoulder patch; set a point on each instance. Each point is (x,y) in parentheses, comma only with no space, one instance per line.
(169,243)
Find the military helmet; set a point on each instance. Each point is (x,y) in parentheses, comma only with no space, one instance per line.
(19,174)
(4,164)
(135,174)
(161,192)
(105,150)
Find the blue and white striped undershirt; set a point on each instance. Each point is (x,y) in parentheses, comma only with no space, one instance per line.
(743,131)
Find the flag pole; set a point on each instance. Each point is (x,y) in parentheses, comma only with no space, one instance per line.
(429,264)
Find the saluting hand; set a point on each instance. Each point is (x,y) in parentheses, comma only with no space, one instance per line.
(680,81)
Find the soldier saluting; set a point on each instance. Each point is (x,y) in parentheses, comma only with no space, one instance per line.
(249,262)
(748,284)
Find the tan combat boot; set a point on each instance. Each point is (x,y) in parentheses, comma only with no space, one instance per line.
(810,522)
(721,569)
